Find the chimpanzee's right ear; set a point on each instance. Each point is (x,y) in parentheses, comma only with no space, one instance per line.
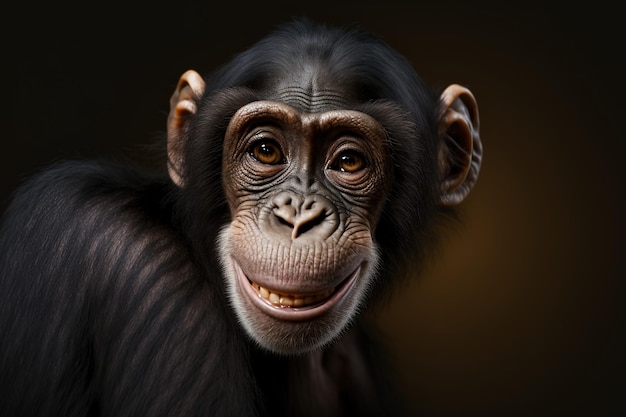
(183,105)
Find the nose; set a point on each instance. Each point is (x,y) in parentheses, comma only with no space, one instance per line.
(298,215)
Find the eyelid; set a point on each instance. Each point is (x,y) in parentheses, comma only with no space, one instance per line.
(261,134)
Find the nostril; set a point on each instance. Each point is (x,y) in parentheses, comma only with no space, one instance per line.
(286,215)
(284,222)
(304,225)
(285,199)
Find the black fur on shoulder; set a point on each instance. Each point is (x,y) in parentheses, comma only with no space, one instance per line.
(91,266)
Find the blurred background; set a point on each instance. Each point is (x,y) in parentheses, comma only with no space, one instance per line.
(522,313)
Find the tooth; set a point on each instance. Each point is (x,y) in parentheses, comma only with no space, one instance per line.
(286,300)
(264,292)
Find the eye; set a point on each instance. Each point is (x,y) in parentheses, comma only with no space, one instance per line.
(349,161)
(266,152)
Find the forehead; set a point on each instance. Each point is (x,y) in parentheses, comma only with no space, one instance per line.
(311,88)
(310,100)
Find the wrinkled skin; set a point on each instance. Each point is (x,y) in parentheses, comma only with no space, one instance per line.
(306,189)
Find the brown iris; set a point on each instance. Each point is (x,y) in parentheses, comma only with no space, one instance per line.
(267,152)
(350,162)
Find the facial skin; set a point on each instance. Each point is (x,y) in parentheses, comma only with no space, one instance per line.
(305,191)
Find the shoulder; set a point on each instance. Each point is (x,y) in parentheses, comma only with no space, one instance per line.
(84,202)
(82,180)
(71,188)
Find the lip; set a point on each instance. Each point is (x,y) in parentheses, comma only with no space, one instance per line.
(319,306)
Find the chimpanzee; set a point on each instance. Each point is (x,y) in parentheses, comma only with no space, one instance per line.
(302,179)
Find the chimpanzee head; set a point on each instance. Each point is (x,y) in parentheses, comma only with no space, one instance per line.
(328,158)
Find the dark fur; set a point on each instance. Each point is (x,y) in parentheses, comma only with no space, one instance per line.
(110,298)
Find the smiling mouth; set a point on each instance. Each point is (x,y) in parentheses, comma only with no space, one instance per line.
(291,300)
(295,307)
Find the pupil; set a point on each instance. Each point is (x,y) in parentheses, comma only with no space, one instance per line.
(348,160)
(267,150)
(348,163)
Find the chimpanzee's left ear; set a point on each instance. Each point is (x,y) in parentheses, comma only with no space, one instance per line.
(460,151)
(183,105)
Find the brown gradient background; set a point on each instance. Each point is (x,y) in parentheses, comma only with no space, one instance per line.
(522,312)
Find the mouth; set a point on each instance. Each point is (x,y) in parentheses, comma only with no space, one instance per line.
(297,307)
(291,300)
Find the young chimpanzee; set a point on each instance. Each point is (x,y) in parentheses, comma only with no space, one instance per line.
(301,178)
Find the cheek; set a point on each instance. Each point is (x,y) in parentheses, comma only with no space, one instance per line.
(366,209)
(236,183)
(246,243)
(230,187)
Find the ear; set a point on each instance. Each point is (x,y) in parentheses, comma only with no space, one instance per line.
(460,151)
(183,105)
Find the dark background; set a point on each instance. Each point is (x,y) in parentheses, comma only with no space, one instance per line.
(522,314)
